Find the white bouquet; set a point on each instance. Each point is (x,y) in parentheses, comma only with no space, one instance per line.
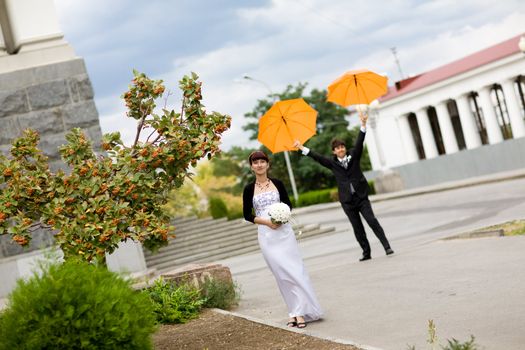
(279,213)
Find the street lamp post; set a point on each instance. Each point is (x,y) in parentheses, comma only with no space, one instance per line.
(286,155)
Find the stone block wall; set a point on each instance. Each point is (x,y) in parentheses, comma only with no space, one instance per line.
(51,99)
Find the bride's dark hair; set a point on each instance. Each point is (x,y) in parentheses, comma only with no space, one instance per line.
(256,155)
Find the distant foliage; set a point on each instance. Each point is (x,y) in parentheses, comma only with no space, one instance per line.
(76,306)
(218,208)
(332,122)
(316,197)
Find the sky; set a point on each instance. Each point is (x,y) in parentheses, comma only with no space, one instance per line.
(275,42)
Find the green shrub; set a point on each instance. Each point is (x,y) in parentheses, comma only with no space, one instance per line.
(235,214)
(454,344)
(76,306)
(217,208)
(314,197)
(220,294)
(174,303)
(372,187)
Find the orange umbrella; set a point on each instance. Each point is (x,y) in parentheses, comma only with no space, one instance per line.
(285,122)
(357,87)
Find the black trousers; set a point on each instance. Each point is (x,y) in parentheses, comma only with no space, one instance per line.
(364,207)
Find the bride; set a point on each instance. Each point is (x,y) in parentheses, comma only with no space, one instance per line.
(278,244)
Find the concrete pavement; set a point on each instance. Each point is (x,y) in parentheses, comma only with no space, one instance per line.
(468,286)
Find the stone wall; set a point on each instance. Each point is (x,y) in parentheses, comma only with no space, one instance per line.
(51,99)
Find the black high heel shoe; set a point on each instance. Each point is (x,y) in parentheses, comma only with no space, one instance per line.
(301,324)
(292,323)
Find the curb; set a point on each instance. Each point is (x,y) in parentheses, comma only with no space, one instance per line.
(289,329)
(445,186)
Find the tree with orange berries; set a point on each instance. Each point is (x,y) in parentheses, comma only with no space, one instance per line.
(108,198)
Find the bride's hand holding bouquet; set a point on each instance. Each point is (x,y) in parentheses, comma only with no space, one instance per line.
(279,213)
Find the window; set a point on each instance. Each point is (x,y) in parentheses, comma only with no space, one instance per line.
(478,115)
(502,113)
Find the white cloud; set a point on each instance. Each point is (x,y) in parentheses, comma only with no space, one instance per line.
(279,42)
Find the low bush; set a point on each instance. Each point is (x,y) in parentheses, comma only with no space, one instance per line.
(235,214)
(372,187)
(452,344)
(76,305)
(315,197)
(174,303)
(218,208)
(324,196)
(220,294)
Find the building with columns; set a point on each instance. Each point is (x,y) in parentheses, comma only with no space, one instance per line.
(474,103)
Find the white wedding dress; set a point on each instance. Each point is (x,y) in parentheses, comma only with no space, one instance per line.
(281,252)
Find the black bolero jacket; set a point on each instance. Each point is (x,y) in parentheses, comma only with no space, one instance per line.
(247,198)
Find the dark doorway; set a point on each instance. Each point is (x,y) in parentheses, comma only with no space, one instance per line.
(414,128)
(456,124)
(436,130)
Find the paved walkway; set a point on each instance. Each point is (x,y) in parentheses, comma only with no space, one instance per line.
(467,286)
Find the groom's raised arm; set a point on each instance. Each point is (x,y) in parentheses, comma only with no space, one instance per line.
(358,147)
(324,161)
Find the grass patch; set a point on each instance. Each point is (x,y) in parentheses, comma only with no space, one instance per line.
(510,228)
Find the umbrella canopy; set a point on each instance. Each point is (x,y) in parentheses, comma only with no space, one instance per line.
(285,122)
(357,87)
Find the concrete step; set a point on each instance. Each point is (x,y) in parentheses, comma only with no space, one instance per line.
(199,224)
(208,239)
(191,232)
(217,234)
(179,220)
(209,253)
(224,254)
(196,247)
(243,231)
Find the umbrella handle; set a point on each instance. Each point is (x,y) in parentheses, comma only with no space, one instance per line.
(289,131)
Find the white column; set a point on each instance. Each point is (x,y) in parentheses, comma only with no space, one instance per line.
(491,120)
(33,23)
(3,49)
(514,109)
(447,131)
(429,144)
(374,144)
(468,124)
(407,140)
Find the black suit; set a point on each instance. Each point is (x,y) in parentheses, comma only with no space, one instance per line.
(353,193)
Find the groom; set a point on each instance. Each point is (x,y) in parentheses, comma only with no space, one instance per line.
(353,187)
